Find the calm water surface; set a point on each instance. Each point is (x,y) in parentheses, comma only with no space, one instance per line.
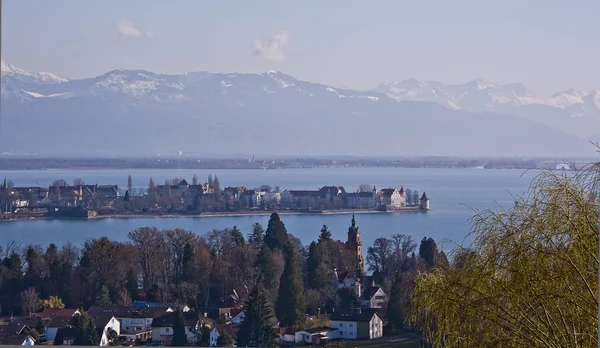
(454,193)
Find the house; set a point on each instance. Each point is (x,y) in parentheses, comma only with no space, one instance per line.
(329,192)
(392,197)
(105,322)
(307,336)
(297,197)
(65,336)
(162,327)
(362,323)
(373,297)
(15,333)
(271,197)
(56,323)
(17,340)
(346,279)
(287,335)
(135,322)
(50,313)
(237,316)
(217,331)
(362,200)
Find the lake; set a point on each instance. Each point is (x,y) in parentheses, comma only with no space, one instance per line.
(453,193)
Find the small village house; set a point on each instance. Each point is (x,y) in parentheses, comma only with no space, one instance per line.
(135,322)
(373,297)
(162,327)
(362,323)
(217,331)
(16,334)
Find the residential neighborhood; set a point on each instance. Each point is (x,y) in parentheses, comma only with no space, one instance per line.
(362,315)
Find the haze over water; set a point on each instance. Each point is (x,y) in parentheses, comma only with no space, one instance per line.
(453,193)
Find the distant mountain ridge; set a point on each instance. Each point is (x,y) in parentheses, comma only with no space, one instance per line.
(129,112)
(573,111)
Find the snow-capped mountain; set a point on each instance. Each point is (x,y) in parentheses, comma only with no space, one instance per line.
(573,111)
(477,95)
(10,70)
(128,112)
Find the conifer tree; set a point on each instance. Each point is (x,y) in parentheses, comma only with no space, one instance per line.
(325,234)
(179,336)
(238,237)
(395,308)
(268,277)
(257,235)
(86,330)
(276,235)
(291,302)
(256,329)
(103,298)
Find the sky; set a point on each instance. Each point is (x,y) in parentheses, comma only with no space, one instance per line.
(548,45)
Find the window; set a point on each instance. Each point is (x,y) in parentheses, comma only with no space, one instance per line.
(341,333)
(380,297)
(350,325)
(341,325)
(167,329)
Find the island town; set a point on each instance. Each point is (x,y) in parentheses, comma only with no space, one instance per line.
(180,197)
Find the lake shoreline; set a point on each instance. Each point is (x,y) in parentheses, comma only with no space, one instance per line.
(216,214)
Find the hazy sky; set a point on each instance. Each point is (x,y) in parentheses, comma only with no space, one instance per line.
(547,45)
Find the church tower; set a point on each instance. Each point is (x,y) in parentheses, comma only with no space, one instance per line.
(356,245)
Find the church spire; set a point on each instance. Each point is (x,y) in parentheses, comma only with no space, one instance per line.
(353,221)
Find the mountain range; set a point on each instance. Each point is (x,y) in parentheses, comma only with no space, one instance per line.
(136,112)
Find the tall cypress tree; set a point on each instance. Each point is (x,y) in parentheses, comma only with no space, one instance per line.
(276,235)
(256,329)
(395,307)
(179,336)
(291,302)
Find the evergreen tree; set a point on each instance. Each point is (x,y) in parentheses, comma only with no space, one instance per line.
(325,234)
(276,235)
(256,329)
(126,197)
(210,181)
(179,336)
(257,235)
(238,237)
(103,298)
(194,180)
(267,275)
(291,302)
(312,264)
(395,308)
(86,330)
(428,251)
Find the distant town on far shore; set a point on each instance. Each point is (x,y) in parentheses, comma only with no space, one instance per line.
(177,196)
